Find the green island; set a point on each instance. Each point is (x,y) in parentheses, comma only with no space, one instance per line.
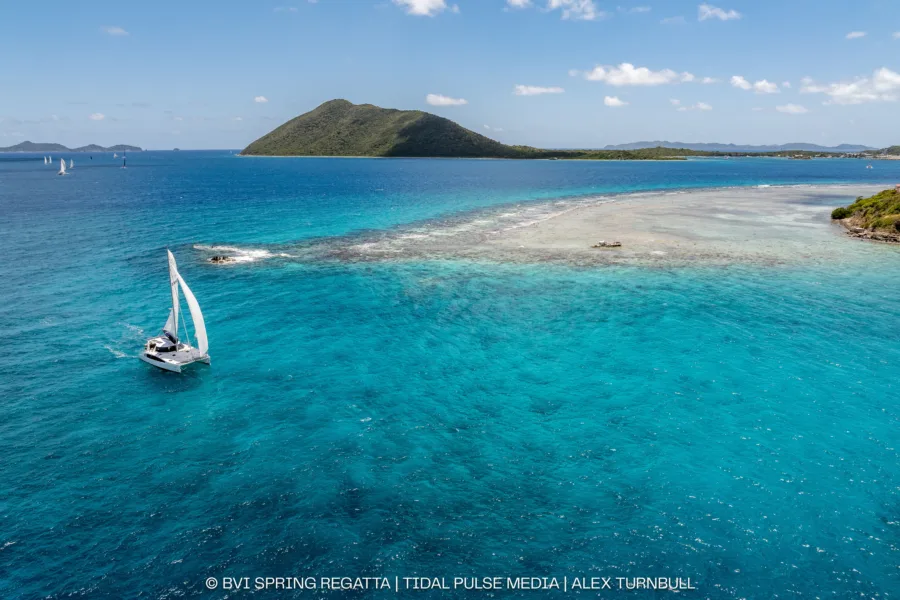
(341,128)
(46,147)
(875,218)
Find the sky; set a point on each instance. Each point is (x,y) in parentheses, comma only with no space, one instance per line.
(547,73)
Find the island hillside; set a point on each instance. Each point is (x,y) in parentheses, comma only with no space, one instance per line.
(341,128)
(42,147)
(875,218)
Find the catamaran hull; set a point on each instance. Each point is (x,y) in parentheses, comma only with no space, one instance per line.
(168,364)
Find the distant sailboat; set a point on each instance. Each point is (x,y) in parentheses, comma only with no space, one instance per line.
(167,351)
(45,160)
(71,163)
(62,166)
(115,155)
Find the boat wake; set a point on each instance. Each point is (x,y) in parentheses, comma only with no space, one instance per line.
(116,353)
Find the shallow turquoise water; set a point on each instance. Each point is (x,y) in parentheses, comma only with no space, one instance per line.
(738,426)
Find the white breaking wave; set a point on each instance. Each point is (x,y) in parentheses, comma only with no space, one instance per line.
(243,255)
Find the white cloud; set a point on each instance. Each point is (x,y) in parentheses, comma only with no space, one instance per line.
(489,128)
(792,109)
(97,117)
(518,3)
(674,21)
(760,87)
(628,74)
(115,30)
(854,35)
(897,35)
(439,100)
(290,9)
(739,82)
(709,80)
(675,102)
(883,86)
(577,10)
(766,87)
(786,85)
(703,106)
(535,90)
(425,8)
(614,101)
(707,11)
(260,99)
(687,77)
(635,10)
(238,118)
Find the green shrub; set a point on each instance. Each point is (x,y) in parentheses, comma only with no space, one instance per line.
(841,213)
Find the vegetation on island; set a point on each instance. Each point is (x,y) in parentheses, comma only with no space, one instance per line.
(881,212)
(44,147)
(341,128)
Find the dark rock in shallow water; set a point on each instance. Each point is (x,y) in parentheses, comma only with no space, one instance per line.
(219,259)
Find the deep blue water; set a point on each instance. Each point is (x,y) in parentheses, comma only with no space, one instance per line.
(737,426)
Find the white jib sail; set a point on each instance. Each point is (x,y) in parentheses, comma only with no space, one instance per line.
(62,166)
(71,163)
(173,283)
(196,317)
(170,326)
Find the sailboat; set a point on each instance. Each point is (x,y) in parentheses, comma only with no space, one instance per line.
(115,155)
(71,163)
(62,166)
(168,351)
(45,160)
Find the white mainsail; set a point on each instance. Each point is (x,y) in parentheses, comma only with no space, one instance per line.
(173,282)
(71,163)
(62,166)
(196,317)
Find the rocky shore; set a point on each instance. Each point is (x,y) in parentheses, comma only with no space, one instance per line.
(875,235)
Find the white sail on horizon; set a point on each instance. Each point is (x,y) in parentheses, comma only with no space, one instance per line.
(62,166)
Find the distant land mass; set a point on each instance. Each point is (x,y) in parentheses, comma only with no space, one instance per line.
(36,147)
(341,128)
(741,148)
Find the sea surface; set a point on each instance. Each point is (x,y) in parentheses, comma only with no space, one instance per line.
(737,426)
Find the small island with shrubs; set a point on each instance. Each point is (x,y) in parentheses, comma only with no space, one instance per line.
(876,218)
